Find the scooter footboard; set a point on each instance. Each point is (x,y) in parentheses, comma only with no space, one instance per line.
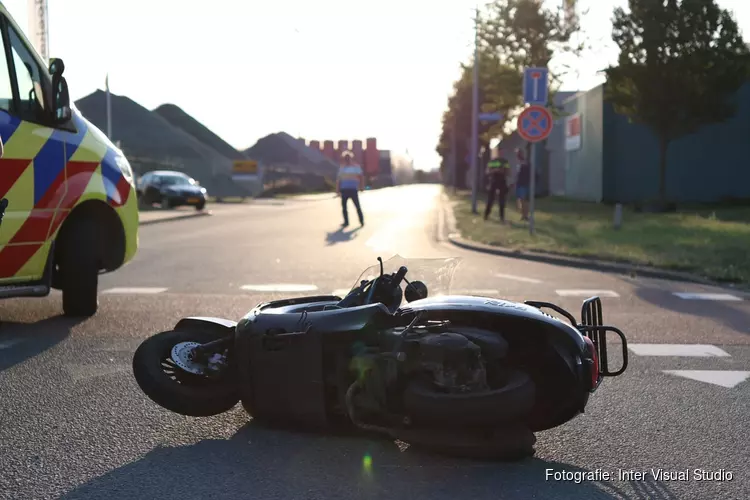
(592,325)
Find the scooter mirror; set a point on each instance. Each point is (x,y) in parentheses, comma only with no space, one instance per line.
(415,290)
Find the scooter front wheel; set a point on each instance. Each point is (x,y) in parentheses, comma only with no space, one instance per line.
(177,384)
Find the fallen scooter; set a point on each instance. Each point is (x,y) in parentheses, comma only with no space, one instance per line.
(457,374)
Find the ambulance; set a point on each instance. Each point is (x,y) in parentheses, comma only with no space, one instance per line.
(68,206)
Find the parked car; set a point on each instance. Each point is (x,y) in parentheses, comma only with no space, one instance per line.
(171,189)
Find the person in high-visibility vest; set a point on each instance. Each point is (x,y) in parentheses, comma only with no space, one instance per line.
(497,172)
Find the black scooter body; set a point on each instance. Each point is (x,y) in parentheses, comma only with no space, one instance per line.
(291,355)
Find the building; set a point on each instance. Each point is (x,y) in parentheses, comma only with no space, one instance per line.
(598,155)
(368,156)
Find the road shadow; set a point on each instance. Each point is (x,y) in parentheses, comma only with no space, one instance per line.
(258,463)
(734,318)
(341,235)
(21,341)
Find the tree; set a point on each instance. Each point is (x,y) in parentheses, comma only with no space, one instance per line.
(523,33)
(513,34)
(493,97)
(680,63)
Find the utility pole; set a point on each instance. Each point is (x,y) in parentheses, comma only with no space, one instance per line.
(474,117)
(454,166)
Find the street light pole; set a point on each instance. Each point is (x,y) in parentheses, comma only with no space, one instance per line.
(474,117)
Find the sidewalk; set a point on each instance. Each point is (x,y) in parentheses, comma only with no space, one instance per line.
(448,232)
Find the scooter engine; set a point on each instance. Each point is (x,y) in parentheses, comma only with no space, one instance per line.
(454,362)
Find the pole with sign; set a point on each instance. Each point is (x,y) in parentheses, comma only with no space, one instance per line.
(535,122)
(534,125)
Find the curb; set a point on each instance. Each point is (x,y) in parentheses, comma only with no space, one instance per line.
(454,237)
(173,218)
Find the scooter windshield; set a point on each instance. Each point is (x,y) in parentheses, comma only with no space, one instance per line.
(436,274)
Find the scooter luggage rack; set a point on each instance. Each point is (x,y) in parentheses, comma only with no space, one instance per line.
(592,326)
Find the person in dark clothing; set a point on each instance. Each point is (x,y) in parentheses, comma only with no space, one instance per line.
(523,184)
(497,173)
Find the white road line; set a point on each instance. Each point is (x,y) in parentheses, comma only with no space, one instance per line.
(586,293)
(518,278)
(341,292)
(128,290)
(707,296)
(479,292)
(724,378)
(280,287)
(686,350)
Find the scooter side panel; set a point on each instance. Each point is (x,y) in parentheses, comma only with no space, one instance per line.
(497,308)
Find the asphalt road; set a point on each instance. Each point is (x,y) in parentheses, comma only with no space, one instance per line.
(73,423)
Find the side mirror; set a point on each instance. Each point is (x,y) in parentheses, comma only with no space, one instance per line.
(60,95)
(56,67)
(415,290)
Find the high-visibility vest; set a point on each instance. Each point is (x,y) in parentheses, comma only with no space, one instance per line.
(495,164)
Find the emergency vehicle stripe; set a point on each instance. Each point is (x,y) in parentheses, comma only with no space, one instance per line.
(11,170)
(20,206)
(56,188)
(12,258)
(48,181)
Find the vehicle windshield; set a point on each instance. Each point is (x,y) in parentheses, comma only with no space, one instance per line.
(437,274)
(177,180)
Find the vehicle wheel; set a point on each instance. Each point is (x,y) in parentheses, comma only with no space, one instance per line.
(512,401)
(175,389)
(165,203)
(200,206)
(79,271)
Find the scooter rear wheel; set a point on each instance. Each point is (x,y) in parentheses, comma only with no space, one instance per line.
(177,390)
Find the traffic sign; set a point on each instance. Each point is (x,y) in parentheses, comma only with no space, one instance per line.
(490,117)
(535,123)
(535,86)
(245,167)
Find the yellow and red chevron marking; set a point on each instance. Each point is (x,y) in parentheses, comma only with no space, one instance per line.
(22,156)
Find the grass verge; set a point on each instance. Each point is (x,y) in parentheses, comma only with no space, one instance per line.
(711,242)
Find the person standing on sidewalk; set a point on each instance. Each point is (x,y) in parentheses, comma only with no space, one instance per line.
(497,172)
(351,180)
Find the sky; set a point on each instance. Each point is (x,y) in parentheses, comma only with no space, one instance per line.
(323,69)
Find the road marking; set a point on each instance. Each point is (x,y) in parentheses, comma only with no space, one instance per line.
(724,378)
(128,290)
(687,350)
(480,292)
(586,293)
(341,292)
(518,278)
(280,287)
(707,296)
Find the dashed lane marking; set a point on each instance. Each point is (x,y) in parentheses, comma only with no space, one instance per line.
(707,296)
(518,278)
(723,378)
(128,290)
(587,293)
(678,350)
(280,287)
